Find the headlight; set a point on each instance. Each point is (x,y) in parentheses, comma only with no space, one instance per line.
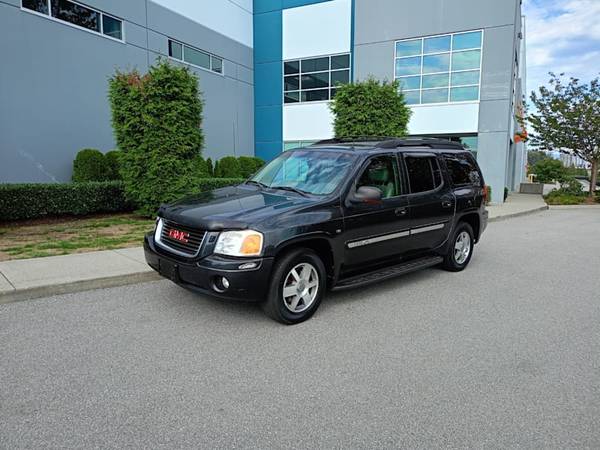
(240,243)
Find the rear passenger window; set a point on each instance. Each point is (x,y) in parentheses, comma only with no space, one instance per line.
(462,170)
(423,173)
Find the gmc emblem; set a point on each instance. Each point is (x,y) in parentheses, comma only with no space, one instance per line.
(181,236)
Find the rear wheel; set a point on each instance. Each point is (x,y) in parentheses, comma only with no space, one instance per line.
(460,248)
(297,287)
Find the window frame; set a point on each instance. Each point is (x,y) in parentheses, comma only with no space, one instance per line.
(450,54)
(300,73)
(210,55)
(100,12)
(423,155)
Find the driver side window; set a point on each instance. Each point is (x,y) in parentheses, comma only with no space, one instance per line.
(381,173)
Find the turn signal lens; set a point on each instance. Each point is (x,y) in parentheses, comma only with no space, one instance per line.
(251,245)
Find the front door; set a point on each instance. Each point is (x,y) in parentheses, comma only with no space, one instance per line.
(431,201)
(376,231)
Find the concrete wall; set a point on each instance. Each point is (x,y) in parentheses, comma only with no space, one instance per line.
(379,24)
(53,85)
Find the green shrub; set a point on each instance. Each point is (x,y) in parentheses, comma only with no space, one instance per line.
(370,108)
(570,186)
(200,168)
(555,197)
(89,165)
(113,165)
(29,201)
(209,168)
(548,170)
(216,169)
(156,120)
(249,165)
(229,167)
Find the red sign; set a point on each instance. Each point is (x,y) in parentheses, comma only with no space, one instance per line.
(179,235)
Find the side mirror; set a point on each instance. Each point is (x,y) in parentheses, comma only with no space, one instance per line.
(367,194)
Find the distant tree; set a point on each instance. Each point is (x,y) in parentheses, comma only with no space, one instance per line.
(535,156)
(209,168)
(568,120)
(548,170)
(370,108)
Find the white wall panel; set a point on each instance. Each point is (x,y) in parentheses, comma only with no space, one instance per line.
(319,29)
(232,19)
(307,122)
(444,119)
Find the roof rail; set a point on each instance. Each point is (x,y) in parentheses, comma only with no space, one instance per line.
(355,139)
(421,142)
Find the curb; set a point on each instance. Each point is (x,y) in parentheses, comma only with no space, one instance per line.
(77,286)
(518,214)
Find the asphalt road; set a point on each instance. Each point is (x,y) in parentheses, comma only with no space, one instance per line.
(505,354)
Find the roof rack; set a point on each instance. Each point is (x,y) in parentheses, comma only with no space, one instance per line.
(394,142)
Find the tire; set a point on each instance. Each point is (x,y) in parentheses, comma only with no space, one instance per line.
(310,279)
(456,259)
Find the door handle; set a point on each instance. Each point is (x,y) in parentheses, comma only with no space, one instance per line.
(446,204)
(400,211)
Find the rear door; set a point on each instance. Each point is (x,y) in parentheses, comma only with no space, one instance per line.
(431,201)
(466,180)
(376,231)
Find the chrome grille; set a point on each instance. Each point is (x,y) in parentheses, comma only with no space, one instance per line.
(190,246)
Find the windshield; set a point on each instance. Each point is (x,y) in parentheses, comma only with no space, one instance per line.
(315,172)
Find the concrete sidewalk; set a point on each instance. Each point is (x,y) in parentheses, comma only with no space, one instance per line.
(40,277)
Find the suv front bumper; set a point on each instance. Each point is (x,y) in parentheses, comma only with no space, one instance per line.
(249,285)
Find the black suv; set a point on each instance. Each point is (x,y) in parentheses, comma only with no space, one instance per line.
(335,215)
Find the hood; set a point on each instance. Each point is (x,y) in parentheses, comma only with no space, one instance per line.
(236,207)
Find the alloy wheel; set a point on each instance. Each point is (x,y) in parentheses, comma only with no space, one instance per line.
(300,287)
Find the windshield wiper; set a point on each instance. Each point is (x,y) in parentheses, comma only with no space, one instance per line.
(291,189)
(257,183)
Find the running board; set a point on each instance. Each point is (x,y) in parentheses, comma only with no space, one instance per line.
(387,273)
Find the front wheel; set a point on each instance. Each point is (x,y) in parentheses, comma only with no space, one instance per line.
(460,248)
(297,287)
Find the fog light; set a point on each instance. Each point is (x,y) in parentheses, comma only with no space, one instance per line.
(246,266)
(225,282)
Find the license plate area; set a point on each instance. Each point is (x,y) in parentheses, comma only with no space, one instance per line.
(168,269)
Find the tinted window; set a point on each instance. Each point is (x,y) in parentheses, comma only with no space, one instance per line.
(40,6)
(112,27)
(462,170)
(382,174)
(423,174)
(175,50)
(76,14)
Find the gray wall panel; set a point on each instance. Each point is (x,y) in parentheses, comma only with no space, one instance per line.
(374,60)
(494,115)
(498,55)
(135,34)
(381,20)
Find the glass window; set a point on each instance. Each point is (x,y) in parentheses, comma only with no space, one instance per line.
(420,174)
(76,14)
(175,50)
(340,77)
(407,83)
(314,79)
(464,94)
(216,64)
(436,63)
(112,27)
(464,41)
(315,96)
(434,96)
(315,64)
(466,60)
(435,81)
(381,173)
(196,57)
(40,6)
(317,172)
(340,62)
(412,97)
(291,67)
(465,78)
(462,169)
(409,48)
(437,44)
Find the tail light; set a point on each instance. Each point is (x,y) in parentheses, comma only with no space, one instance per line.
(486,192)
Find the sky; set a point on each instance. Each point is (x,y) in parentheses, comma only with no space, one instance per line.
(562,36)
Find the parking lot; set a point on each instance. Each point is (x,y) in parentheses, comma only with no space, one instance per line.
(503,354)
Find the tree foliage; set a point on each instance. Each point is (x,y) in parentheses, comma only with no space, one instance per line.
(548,170)
(370,108)
(535,156)
(568,119)
(156,119)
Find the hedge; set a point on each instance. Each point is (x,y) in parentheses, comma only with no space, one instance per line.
(30,201)
(89,165)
